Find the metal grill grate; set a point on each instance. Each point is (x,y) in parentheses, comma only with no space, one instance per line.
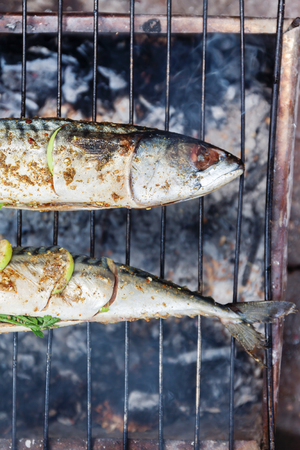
(167,25)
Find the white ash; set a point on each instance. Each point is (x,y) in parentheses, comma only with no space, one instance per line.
(69,345)
(207,355)
(142,400)
(74,87)
(116,81)
(157,115)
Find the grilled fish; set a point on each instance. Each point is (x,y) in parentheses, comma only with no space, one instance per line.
(101,290)
(60,164)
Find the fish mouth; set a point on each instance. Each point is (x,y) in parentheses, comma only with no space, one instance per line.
(233,161)
(235,165)
(227,169)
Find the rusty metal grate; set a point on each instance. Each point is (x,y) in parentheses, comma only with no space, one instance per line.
(280,147)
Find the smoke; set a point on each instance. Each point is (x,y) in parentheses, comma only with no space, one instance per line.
(180,337)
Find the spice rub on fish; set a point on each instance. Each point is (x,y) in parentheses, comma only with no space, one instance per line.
(61,164)
(101,290)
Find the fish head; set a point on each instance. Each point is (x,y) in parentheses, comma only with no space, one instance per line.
(168,168)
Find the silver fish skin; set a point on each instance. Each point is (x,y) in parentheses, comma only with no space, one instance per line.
(107,292)
(105,165)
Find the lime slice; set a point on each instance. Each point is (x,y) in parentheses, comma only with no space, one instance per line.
(50,149)
(67,273)
(5,253)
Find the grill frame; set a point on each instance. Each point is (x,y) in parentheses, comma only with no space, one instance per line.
(32,23)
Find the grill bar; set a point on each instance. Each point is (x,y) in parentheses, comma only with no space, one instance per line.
(126,377)
(163,239)
(14,392)
(19,235)
(89,380)
(133,444)
(160,366)
(284,148)
(59,53)
(126,442)
(55,227)
(131,61)
(92,239)
(268,222)
(119,23)
(55,231)
(167,99)
(95,62)
(161,329)
(128,233)
(238,224)
(58,104)
(200,235)
(23,80)
(126,339)
(47,389)
(19,227)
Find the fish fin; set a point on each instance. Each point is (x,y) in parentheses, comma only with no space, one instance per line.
(250,339)
(265,312)
(249,313)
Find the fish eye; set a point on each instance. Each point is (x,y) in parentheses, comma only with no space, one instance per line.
(203,157)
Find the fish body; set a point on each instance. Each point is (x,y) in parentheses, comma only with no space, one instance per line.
(107,292)
(61,164)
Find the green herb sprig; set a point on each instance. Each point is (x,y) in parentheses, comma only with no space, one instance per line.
(36,324)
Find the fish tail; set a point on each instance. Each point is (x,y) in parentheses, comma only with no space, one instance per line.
(252,312)
(250,339)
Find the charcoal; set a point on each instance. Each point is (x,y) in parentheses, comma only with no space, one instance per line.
(68,373)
